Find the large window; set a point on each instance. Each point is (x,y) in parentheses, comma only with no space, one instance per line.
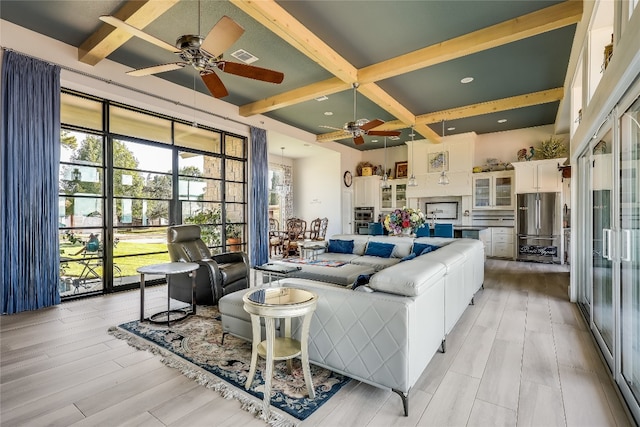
(125,175)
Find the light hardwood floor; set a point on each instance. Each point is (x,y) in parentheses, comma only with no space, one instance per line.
(522,355)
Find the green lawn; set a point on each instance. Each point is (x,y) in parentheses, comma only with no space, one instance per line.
(125,257)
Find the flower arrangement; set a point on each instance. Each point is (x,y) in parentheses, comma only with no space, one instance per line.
(400,219)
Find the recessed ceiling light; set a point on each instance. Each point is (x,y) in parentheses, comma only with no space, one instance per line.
(328,113)
(307,145)
(412,134)
(466,80)
(374,140)
(502,120)
(244,56)
(321,98)
(394,138)
(451,128)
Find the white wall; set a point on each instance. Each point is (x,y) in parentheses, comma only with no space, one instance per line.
(317,183)
(504,146)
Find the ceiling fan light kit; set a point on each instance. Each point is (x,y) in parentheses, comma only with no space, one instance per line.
(203,54)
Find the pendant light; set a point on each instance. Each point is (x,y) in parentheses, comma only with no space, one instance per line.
(384,183)
(444,179)
(282,189)
(413,182)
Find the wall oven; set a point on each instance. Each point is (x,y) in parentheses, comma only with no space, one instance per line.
(362,216)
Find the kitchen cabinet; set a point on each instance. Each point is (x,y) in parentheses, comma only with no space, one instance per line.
(366,191)
(395,196)
(502,242)
(538,176)
(493,190)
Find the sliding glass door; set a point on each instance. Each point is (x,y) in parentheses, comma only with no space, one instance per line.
(602,239)
(630,252)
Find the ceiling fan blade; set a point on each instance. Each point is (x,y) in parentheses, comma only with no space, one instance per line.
(251,72)
(372,124)
(384,132)
(111,20)
(358,140)
(222,36)
(215,85)
(156,69)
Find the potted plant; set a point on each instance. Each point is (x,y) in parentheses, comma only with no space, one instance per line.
(234,237)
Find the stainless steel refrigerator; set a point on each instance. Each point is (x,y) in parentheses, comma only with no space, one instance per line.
(539,227)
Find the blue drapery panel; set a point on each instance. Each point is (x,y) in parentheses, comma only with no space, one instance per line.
(259,199)
(29,163)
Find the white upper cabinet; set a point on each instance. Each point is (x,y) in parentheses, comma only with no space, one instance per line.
(366,190)
(493,190)
(538,176)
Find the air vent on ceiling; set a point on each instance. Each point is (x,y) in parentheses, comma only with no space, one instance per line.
(244,56)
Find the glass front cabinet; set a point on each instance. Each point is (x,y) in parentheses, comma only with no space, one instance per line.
(395,196)
(493,190)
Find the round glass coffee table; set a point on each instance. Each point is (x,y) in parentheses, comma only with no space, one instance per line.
(279,303)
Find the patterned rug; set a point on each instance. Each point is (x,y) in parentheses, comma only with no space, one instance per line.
(319,262)
(193,346)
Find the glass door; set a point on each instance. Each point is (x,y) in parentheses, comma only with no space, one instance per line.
(503,192)
(583,263)
(481,192)
(630,251)
(602,240)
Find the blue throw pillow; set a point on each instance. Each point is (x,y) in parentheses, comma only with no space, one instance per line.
(419,248)
(409,257)
(382,250)
(362,280)
(340,246)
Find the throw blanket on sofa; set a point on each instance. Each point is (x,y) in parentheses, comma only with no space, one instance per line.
(318,262)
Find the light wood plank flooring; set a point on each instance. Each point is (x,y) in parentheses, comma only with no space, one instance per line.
(522,355)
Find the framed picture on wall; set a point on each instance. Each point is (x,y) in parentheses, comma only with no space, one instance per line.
(437,161)
(401,169)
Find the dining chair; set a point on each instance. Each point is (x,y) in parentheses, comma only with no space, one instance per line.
(295,233)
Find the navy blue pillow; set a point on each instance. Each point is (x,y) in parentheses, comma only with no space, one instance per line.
(362,280)
(419,248)
(340,246)
(409,257)
(382,250)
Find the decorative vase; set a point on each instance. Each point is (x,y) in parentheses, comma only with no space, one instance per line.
(407,232)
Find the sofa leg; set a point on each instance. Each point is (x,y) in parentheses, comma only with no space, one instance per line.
(482,286)
(224,334)
(473,300)
(405,400)
(443,345)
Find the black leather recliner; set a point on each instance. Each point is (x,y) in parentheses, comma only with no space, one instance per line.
(218,274)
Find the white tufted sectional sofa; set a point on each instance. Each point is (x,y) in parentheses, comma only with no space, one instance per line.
(384,334)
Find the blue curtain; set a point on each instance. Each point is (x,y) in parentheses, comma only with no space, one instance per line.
(259,199)
(29,163)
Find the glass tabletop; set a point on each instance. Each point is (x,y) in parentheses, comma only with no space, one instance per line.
(280,296)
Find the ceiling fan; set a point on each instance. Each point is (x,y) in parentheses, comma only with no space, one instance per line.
(360,127)
(204,54)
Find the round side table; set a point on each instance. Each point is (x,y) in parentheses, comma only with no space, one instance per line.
(279,303)
(168,269)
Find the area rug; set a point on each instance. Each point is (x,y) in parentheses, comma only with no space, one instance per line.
(193,346)
(320,262)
